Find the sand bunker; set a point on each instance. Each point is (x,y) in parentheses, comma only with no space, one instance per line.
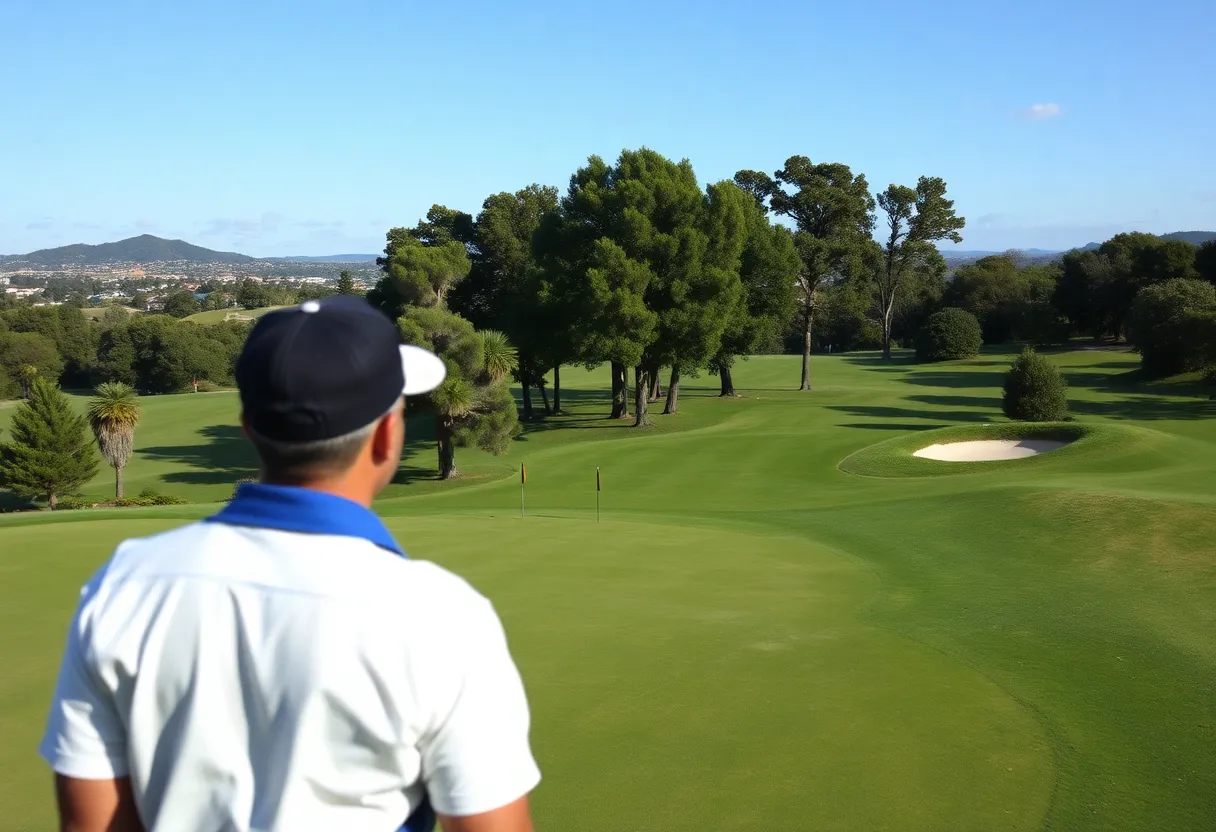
(989,450)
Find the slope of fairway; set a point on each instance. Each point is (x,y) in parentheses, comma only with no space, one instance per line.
(754,638)
(218,316)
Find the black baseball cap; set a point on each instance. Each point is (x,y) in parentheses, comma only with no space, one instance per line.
(326,368)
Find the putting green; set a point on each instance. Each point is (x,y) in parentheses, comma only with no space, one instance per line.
(757,638)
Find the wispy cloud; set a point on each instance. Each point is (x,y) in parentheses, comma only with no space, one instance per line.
(40,224)
(145,225)
(1041,112)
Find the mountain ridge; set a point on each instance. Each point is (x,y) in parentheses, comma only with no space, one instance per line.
(147,248)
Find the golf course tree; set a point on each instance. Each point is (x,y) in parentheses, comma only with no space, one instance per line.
(917,218)
(833,214)
(113,415)
(504,290)
(1170,326)
(1205,262)
(181,305)
(1035,390)
(417,274)
(949,334)
(768,271)
(25,356)
(160,354)
(474,405)
(645,264)
(48,454)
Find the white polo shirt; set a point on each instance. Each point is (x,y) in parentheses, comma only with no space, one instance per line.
(282,666)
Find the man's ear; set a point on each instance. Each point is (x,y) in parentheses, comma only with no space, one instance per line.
(382,440)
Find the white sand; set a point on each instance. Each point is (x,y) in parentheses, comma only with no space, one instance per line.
(989,450)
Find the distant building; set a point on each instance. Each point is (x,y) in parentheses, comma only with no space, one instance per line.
(156,303)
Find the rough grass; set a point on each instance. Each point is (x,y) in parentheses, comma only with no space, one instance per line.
(754,638)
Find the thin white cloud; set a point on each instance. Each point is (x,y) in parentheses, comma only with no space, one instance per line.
(1041,112)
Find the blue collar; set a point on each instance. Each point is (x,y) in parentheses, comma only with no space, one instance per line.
(292,509)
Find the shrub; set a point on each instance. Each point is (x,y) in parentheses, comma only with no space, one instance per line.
(72,504)
(1169,326)
(150,497)
(949,334)
(1034,390)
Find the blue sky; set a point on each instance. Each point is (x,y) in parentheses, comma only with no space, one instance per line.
(276,128)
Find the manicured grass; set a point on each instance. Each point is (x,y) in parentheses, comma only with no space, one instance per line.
(218,316)
(754,638)
(98,312)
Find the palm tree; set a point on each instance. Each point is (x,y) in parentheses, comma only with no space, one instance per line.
(26,374)
(501,359)
(113,415)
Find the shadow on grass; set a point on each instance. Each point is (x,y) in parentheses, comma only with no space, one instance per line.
(988,402)
(225,457)
(1146,408)
(875,412)
(906,427)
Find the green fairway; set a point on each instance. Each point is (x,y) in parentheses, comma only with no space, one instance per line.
(783,621)
(218,316)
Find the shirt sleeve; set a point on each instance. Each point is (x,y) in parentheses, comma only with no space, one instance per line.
(478,756)
(85,736)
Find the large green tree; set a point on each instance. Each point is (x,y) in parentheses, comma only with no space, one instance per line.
(917,218)
(833,214)
(1168,323)
(768,272)
(346,284)
(49,454)
(646,264)
(1205,262)
(181,304)
(25,356)
(474,405)
(113,415)
(504,290)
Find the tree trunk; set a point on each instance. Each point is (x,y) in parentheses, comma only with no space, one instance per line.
(807,318)
(545,396)
(673,391)
(656,386)
(641,395)
(52,500)
(728,382)
(886,332)
(525,382)
(447,449)
(557,389)
(118,492)
(620,392)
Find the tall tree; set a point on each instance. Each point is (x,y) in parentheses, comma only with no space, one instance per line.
(416,274)
(474,405)
(113,415)
(642,259)
(1205,262)
(503,290)
(833,213)
(181,304)
(916,220)
(49,454)
(768,271)
(25,356)
(346,284)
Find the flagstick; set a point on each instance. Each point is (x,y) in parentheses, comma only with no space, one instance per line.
(597,495)
(523,482)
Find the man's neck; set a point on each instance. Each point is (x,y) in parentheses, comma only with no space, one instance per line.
(338,487)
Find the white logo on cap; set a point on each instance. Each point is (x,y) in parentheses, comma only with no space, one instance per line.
(310,306)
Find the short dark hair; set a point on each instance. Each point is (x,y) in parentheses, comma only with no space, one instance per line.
(295,461)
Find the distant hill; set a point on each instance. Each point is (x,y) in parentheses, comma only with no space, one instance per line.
(326,258)
(142,249)
(1195,237)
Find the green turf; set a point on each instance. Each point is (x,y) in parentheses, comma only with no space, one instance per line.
(755,638)
(218,316)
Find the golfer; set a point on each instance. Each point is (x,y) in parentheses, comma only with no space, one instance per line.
(282,665)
